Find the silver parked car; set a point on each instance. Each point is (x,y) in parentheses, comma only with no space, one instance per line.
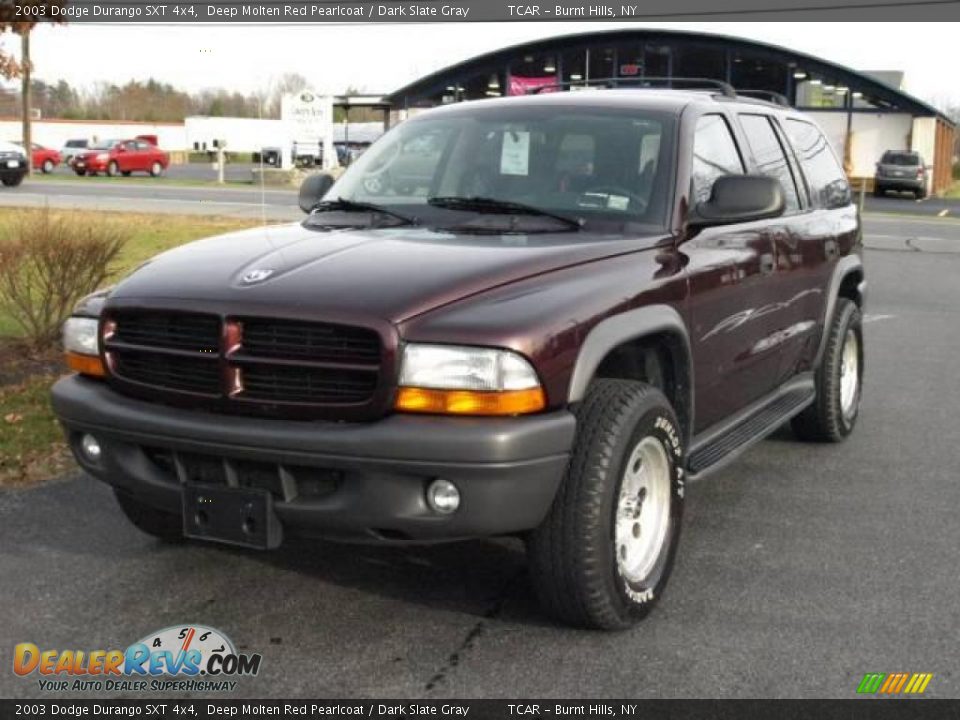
(902,171)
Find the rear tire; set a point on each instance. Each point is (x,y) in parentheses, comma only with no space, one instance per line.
(156,170)
(839,380)
(12,180)
(81,173)
(47,167)
(164,526)
(878,192)
(603,555)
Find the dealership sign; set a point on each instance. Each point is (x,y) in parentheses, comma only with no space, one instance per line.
(309,121)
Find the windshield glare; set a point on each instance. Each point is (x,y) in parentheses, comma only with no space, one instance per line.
(597,164)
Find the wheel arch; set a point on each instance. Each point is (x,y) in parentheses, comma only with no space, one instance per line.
(848,282)
(627,345)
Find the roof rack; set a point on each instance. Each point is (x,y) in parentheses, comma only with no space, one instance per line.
(774,97)
(725,89)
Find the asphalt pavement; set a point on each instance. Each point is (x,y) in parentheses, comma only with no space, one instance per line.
(801,566)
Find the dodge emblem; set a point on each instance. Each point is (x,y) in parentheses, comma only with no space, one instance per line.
(255,276)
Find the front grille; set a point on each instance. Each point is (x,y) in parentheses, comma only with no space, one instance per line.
(179,331)
(192,375)
(292,384)
(246,365)
(311,341)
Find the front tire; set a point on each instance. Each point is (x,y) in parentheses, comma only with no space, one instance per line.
(164,526)
(47,167)
(602,557)
(12,180)
(839,380)
(113,169)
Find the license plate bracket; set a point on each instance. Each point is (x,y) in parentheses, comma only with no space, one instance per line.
(235,516)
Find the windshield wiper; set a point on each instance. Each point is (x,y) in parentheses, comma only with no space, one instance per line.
(505,207)
(344,205)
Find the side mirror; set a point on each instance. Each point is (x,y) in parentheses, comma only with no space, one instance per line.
(740,198)
(313,189)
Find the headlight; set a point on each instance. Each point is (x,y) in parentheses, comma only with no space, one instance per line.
(450,379)
(82,345)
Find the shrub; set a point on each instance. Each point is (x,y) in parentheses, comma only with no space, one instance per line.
(48,263)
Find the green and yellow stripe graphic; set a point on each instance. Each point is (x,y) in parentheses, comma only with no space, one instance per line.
(894,683)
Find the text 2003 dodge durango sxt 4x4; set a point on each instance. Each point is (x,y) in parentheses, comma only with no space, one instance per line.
(575,305)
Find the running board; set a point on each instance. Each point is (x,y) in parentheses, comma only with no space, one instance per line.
(721,444)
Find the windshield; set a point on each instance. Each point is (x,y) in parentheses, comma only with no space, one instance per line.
(594,164)
(895,158)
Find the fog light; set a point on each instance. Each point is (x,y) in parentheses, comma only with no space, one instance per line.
(443,497)
(90,447)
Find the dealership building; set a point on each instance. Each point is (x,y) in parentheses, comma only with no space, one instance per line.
(863,114)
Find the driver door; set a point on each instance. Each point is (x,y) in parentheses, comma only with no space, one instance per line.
(730,268)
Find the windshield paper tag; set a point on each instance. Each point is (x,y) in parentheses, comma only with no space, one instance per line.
(515,154)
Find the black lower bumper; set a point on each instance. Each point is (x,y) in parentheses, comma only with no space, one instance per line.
(360,481)
(899,184)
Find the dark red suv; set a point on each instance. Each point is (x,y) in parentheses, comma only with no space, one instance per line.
(577,304)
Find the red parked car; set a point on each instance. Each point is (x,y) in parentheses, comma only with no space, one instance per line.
(43,158)
(121,157)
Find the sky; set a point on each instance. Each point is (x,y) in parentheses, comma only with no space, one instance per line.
(380,58)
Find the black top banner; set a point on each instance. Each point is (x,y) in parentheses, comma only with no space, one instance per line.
(391,11)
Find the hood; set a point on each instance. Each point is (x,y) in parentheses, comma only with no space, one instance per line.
(392,274)
(9,147)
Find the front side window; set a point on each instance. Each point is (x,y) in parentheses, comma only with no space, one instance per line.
(714,154)
(594,164)
(769,156)
(828,183)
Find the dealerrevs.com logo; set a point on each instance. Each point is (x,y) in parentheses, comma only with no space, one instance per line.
(179,658)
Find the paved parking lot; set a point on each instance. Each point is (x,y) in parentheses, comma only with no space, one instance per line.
(801,567)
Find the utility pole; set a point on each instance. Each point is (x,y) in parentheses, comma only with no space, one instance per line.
(26,91)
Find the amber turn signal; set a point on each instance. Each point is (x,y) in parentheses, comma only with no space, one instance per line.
(470,402)
(85,364)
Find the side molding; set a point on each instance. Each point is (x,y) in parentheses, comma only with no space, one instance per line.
(634,325)
(845,265)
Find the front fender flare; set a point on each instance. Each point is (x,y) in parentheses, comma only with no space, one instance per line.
(635,325)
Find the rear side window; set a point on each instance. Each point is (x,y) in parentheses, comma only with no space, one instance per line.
(714,154)
(828,183)
(897,158)
(769,156)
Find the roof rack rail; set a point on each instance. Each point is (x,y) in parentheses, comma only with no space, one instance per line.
(644,82)
(774,97)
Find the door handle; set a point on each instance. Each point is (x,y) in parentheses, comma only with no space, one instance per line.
(766,263)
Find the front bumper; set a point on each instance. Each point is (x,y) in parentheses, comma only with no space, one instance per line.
(89,165)
(355,481)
